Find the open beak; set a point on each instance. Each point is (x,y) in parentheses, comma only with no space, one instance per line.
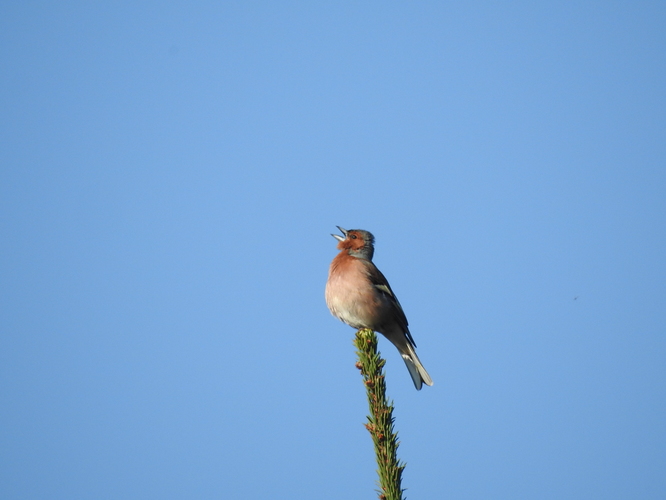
(337,236)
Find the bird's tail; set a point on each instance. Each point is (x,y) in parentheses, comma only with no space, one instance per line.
(419,374)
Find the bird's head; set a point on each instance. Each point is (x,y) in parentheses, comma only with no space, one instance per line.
(357,242)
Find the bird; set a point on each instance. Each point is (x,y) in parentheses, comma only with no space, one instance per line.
(358,294)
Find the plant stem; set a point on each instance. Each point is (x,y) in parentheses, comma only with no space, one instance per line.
(380,421)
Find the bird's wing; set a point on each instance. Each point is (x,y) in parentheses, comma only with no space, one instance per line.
(380,282)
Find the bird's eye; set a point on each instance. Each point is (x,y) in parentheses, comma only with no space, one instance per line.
(353,236)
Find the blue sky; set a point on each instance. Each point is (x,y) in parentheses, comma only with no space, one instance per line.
(170,178)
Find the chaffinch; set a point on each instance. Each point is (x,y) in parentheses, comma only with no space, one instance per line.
(358,294)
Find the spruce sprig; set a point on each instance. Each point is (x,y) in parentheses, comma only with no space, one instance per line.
(380,421)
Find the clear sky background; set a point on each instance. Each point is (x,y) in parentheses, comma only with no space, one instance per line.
(170,178)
